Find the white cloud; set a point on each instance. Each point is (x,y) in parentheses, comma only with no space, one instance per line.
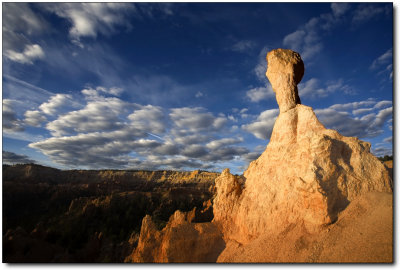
(223,142)
(89,19)
(194,151)
(29,54)
(262,127)
(295,39)
(353,123)
(382,116)
(353,105)
(243,46)
(251,156)
(149,119)
(260,93)
(388,139)
(55,103)
(261,66)
(383,59)
(383,104)
(382,151)
(105,133)
(168,148)
(95,150)
(232,118)
(340,9)
(96,115)
(225,154)
(16,89)
(199,94)
(171,163)
(365,12)
(20,24)
(20,17)
(312,88)
(384,63)
(307,38)
(196,119)
(98,92)
(182,137)
(362,111)
(115,91)
(34,118)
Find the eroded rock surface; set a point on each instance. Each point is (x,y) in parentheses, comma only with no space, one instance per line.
(180,241)
(306,176)
(363,233)
(285,71)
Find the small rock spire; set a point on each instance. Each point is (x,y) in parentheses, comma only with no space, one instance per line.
(285,71)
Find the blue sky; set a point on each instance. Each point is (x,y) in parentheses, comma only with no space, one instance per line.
(182,86)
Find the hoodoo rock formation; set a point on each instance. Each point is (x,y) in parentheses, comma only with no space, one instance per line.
(180,241)
(312,196)
(306,176)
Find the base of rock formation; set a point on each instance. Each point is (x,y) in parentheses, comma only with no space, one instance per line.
(363,233)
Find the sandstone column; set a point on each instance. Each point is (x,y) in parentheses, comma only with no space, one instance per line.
(285,71)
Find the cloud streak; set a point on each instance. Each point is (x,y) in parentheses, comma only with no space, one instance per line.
(90,19)
(260,93)
(307,38)
(263,125)
(362,119)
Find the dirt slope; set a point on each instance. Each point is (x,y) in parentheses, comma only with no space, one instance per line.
(363,233)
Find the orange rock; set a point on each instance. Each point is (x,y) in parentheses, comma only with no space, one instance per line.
(306,176)
(179,241)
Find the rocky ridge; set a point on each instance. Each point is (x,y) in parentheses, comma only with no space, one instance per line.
(38,173)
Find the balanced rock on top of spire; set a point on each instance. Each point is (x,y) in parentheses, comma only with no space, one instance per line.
(285,71)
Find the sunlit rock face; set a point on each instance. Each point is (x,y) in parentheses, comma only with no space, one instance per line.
(180,240)
(307,175)
(285,71)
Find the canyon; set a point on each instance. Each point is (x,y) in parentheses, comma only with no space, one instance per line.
(52,215)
